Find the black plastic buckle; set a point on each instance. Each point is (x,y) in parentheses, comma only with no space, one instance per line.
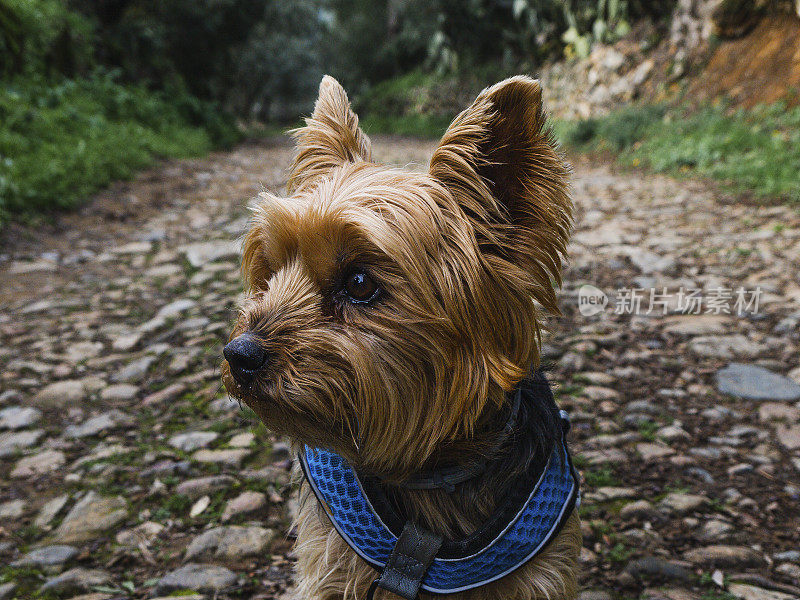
(408,563)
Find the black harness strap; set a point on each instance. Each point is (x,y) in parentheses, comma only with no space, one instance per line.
(410,559)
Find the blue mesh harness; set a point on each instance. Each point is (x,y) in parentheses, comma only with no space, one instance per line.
(536,521)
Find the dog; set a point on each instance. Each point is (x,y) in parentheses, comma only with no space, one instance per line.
(389,319)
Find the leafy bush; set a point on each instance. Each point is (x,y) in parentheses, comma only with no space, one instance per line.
(621,129)
(756,150)
(739,148)
(43,37)
(61,142)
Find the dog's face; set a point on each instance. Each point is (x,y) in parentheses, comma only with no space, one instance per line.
(387,310)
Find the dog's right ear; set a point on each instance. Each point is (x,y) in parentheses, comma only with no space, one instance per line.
(330,137)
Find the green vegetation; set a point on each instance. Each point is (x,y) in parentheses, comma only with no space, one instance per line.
(59,143)
(75,116)
(176,505)
(647,429)
(755,151)
(600,477)
(619,553)
(738,148)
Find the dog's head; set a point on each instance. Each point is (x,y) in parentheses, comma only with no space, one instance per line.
(388,311)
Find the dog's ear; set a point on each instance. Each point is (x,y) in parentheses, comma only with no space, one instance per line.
(499,160)
(330,137)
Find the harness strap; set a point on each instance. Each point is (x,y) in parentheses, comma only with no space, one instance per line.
(408,563)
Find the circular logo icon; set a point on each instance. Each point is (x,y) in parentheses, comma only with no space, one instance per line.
(591,300)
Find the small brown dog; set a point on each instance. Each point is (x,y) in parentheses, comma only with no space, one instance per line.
(391,315)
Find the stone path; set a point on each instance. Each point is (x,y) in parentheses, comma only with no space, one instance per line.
(128,473)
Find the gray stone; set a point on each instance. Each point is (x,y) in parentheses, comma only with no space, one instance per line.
(195,488)
(644,406)
(793,555)
(142,247)
(76,579)
(648,262)
(112,419)
(173,309)
(8,396)
(47,556)
(778,411)
(641,509)
(608,493)
(788,436)
(246,503)
(701,474)
(18,417)
(49,511)
(82,351)
(7,590)
(242,440)
(230,457)
(92,516)
(143,533)
(659,568)
(192,440)
(671,433)
(756,383)
(126,342)
(206,252)
(12,509)
(231,543)
(715,531)
(671,593)
(650,451)
(204,578)
(13,441)
(39,464)
(726,346)
(789,570)
(62,393)
(636,420)
(725,556)
(594,595)
(135,370)
(680,503)
(120,392)
(751,592)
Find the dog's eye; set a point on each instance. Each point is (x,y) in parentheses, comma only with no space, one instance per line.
(360,287)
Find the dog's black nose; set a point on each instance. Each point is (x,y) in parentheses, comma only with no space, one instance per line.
(245,356)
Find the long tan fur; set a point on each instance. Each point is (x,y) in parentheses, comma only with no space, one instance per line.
(466,256)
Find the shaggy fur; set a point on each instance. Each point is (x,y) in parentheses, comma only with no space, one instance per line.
(466,257)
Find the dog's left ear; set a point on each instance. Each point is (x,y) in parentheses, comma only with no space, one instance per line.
(330,137)
(501,163)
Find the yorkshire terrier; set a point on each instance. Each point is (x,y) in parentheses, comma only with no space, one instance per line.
(391,318)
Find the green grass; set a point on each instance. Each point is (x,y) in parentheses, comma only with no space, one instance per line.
(601,477)
(62,141)
(751,151)
(619,553)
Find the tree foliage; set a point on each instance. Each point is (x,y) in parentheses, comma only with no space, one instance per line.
(263,58)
